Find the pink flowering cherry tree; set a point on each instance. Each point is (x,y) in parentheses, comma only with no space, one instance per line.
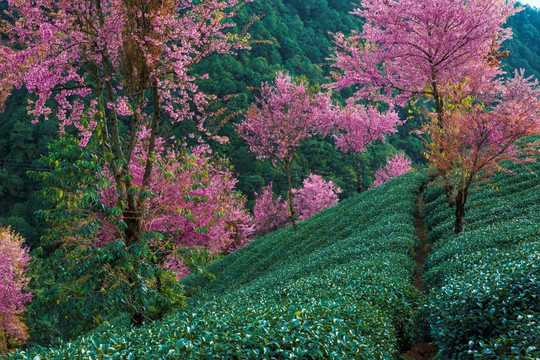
(108,69)
(14,259)
(421,48)
(356,126)
(395,166)
(315,195)
(285,113)
(480,136)
(410,50)
(269,213)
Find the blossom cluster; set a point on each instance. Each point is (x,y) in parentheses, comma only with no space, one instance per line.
(14,259)
(395,166)
(272,213)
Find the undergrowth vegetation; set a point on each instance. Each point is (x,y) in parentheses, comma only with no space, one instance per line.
(338,288)
(485,283)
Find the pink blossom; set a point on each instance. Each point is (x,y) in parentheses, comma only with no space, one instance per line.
(316,195)
(122,106)
(395,166)
(14,259)
(356,126)
(421,47)
(284,115)
(269,213)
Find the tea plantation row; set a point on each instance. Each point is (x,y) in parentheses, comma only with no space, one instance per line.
(339,288)
(485,283)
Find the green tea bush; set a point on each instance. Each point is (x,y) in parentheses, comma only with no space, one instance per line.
(484,301)
(338,288)
(490,311)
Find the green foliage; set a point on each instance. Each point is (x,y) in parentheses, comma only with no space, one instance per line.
(79,285)
(490,309)
(88,286)
(484,302)
(340,287)
(21,145)
(524,46)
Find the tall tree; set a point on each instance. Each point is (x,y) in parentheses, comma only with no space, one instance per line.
(479,135)
(410,50)
(285,113)
(421,48)
(356,126)
(110,68)
(192,215)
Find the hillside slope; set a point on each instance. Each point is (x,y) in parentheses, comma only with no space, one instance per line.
(338,288)
(485,283)
(341,286)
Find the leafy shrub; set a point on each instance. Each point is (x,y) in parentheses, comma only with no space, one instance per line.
(490,311)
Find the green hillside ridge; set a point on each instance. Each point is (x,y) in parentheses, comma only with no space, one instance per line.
(338,288)
(341,287)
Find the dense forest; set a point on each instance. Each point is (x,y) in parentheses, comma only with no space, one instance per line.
(147,169)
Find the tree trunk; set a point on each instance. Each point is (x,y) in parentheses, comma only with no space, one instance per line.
(439,104)
(290,196)
(451,201)
(461,200)
(133,228)
(152,141)
(358,173)
(136,316)
(160,313)
(460,213)
(439,107)
(132,235)
(137,319)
